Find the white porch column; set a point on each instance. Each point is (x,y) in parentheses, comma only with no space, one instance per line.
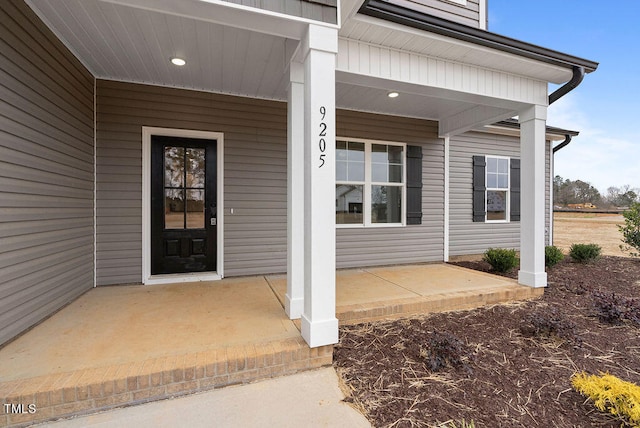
(532,200)
(319,323)
(294,298)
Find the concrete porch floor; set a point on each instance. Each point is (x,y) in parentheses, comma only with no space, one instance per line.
(123,345)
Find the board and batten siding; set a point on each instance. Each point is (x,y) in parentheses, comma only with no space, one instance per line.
(317,10)
(46,172)
(464,12)
(465,236)
(372,246)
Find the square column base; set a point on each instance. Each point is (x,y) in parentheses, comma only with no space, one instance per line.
(319,333)
(532,279)
(293,307)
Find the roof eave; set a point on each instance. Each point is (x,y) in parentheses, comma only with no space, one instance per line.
(411,18)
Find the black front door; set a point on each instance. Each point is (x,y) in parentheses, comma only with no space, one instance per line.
(183,205)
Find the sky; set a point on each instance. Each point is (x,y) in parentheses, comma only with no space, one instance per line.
(605,108)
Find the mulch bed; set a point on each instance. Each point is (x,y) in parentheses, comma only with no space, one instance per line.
(504,365)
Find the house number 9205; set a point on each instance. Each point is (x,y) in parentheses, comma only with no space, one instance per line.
(322,144)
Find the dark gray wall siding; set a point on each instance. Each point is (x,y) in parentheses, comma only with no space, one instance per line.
(468,14)
(465,236)
(319,10)
(46,172)
(410,244)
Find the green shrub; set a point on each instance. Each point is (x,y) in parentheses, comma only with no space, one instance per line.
(584,253)
(552,255)
(501,259)
(631,230)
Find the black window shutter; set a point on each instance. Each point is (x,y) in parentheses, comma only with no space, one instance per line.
(515,189)
(414,185)
(479,188)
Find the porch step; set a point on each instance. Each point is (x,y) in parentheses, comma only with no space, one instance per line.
(87,391)
(432,303)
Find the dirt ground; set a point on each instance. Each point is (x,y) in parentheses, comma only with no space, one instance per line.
(588,228)
(506,365)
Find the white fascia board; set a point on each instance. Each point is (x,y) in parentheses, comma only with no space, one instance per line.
(230,14)
(495,129)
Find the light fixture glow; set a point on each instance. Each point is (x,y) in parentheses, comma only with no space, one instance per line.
(178,61)
(393,94)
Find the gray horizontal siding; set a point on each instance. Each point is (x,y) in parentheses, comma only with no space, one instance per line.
(255,178)
(254,174)
(410,244)
(318,10)
(468,14)
(465,236)
(46,172)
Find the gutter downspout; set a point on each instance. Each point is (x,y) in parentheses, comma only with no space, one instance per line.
(567,140)
(576,79)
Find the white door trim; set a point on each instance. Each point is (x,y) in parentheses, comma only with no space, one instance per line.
(147,278)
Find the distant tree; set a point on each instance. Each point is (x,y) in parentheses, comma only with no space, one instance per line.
(566,191)
(623,196)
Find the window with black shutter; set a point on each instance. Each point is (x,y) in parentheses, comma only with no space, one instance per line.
(414,185)
(496,189)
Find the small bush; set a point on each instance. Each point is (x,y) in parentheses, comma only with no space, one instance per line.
(549,322)
(610,394)
(614,309)
(501,259)
(631,230)
(444,350)
(584,253)
(552,255)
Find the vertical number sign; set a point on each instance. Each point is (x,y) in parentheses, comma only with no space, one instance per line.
(322,144)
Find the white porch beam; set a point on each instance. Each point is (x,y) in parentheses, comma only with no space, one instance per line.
(319,324)
(472,118)
(294,297)
(532,203)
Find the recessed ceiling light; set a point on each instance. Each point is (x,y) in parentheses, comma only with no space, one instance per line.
(178,61)
(392,94)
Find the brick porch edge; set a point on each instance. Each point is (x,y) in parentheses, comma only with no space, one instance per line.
(87,391)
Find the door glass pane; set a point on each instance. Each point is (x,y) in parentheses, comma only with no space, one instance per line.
(386,204)
(195,168)
(195,209)
(174,209)
(174,166)
(496,205)
(348,204)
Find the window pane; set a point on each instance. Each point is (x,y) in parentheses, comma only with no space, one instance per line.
(395,154)
(341,150)
(195,168)
(379,172)
(379,153)
(173,209)
(341,171)
(503,181)
(492,180)
(496,205)
(503,165)
(173,166)
(386,204)
(349,204)
(356,152)
(195,209)
(356,171)
(492,164)
(395,173)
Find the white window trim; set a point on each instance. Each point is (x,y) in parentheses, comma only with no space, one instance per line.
(367,183)
(147,278)
(496,189)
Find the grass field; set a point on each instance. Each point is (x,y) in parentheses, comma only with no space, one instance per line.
(588,228)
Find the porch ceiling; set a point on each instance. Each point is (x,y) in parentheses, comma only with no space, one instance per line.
(134,40)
